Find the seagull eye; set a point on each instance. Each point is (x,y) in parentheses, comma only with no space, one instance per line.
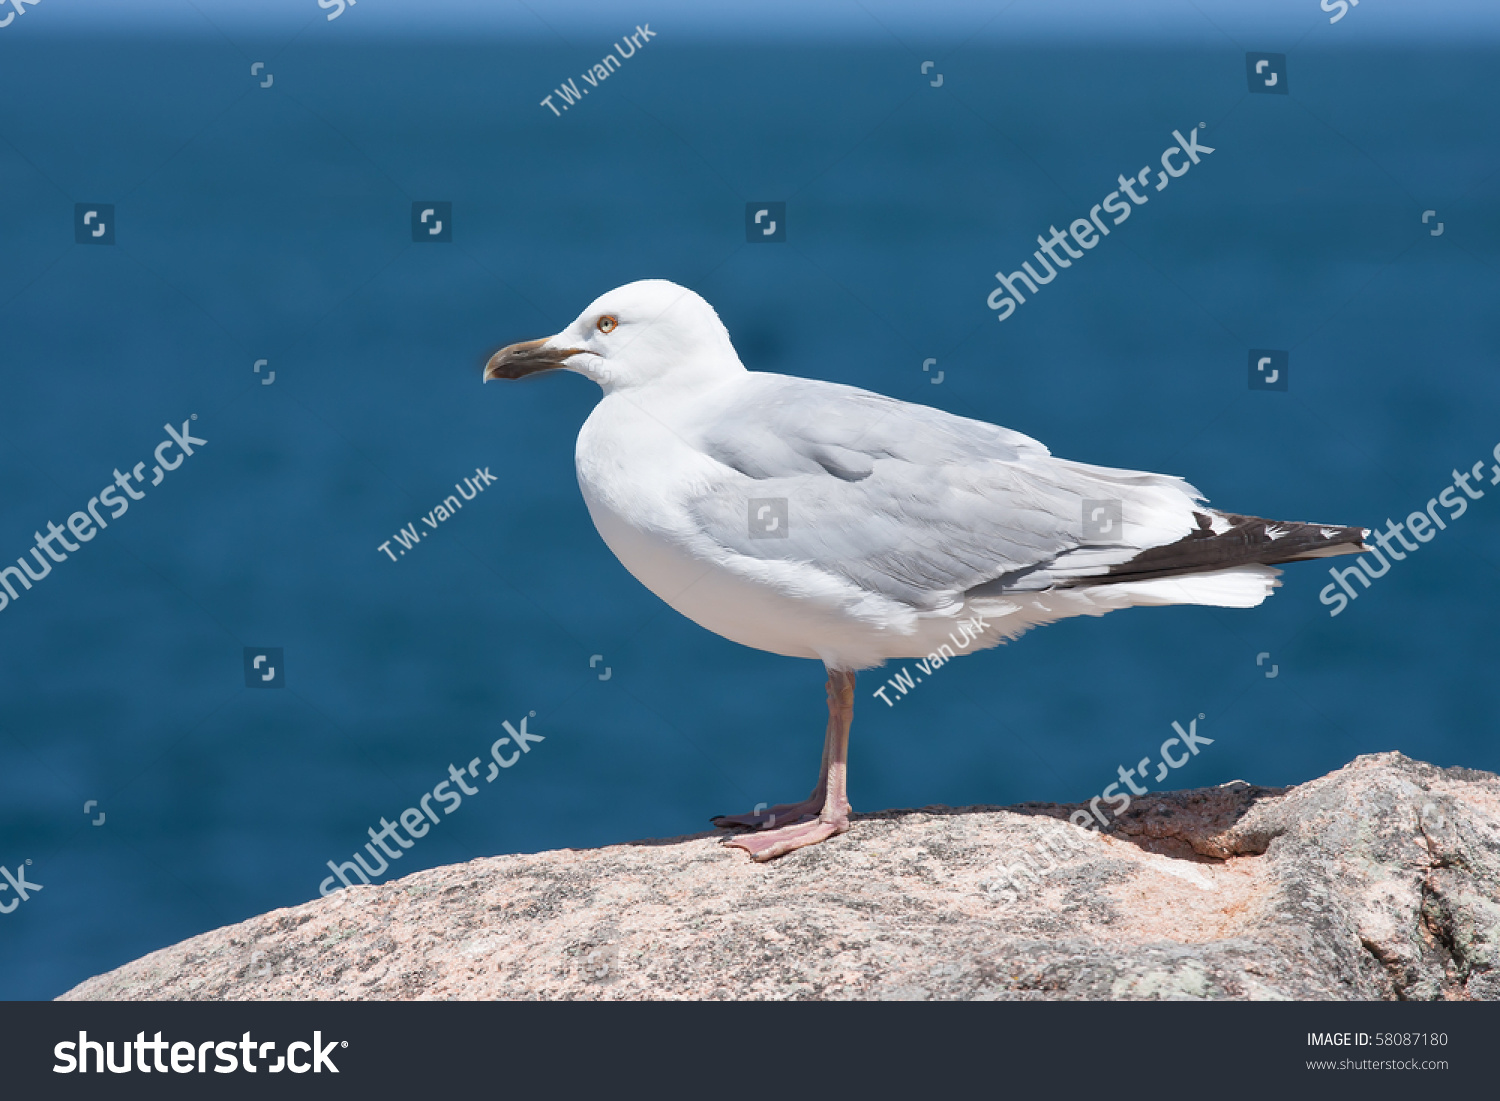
(607,324)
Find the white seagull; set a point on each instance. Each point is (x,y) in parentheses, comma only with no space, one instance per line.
(818,520)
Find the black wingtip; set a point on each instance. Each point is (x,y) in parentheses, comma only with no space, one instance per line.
(1238,541)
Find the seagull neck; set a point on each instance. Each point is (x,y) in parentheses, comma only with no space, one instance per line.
(681,382)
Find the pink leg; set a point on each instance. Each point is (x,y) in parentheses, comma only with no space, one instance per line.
(785,813)
(823,814)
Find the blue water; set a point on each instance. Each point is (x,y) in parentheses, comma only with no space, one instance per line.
(276,224)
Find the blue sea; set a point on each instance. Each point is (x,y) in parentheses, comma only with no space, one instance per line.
(275,223)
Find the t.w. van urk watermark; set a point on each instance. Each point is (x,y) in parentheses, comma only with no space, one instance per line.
(82,525)
(1087,232)
(570,93)
(468,489)
(903,682)
(417,822)
(1423,526)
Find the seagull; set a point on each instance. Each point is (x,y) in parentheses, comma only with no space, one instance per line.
(818,520)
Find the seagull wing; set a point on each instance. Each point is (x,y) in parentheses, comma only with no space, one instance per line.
(914,503)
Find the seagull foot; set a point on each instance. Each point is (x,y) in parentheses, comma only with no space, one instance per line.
(785,813)
(824,813)
(763,845)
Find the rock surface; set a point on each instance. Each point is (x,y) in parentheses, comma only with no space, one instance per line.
(1379,881)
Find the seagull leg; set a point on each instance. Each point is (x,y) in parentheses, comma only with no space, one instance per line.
(789,813)
(785,813)
(825,813)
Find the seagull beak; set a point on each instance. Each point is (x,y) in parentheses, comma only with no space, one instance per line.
(526,358)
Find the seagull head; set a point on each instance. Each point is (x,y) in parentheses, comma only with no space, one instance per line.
(650,331)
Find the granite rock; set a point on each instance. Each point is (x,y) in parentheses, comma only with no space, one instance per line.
(1378,881)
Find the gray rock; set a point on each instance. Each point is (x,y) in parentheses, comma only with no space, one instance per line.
(1379,881)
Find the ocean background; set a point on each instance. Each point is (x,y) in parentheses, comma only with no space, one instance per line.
(275,223)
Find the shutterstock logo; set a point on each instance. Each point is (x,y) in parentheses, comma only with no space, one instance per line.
(76,1057)
(418,819)
(18,883)
(83,525)
(1057,252)
(20,7)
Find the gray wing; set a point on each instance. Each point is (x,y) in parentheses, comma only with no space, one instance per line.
(914,503)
